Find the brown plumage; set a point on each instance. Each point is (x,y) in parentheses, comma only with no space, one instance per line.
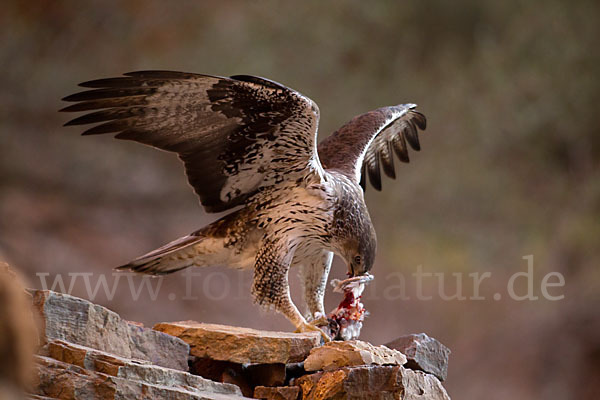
(250,143)
(368,140)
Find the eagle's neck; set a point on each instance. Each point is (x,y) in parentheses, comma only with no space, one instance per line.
(351,218)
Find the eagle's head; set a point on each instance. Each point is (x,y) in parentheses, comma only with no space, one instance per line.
(354,235)
(358,243)
(359,251)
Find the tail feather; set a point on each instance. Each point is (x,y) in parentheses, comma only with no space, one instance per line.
(172,257)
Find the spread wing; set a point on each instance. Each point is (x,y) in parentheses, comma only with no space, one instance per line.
(235,135)
(367,143)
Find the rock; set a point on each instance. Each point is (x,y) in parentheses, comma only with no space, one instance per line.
(89,352)
(337,354)
(79,321)
(159,348)
(242,345)
(86,357)
(371,382)
(156,375)
(322,385)
(94,360)
(421,386)
(61,380)
(277,393)
(424,353)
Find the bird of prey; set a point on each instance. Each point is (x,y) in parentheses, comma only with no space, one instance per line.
(249,146)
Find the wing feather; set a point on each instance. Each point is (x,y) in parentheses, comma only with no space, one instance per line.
(234,135)
(410,132)
(387,159)
(399,145)
(373,170)
(367,142)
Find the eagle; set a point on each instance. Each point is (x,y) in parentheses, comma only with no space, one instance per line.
(249,147)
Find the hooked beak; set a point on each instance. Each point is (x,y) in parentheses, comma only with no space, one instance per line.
(355,270)
(351,269)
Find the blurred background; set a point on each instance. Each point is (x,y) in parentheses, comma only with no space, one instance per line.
(509,165)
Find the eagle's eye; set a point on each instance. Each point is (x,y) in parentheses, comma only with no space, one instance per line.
(357,259)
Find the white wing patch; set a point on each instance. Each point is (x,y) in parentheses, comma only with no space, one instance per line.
(394,123)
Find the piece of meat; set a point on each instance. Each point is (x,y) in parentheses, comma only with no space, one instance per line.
(345,322)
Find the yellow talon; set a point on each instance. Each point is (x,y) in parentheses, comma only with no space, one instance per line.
(321,321)
(312,327)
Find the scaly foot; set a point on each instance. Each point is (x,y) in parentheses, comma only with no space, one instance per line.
(320,320)
(312,327)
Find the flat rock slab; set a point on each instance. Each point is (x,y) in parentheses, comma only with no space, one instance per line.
(371,382)
(241,345)
(60,380)
(86,357)
(338,354)
(96,361)
(424,353)
(79,321)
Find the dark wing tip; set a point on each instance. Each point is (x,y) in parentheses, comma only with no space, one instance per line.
(80,96)
(388,169)
(107,127)
(71,97)
(77,121)
(419,119)
(412,137)
(97,83)
(70,108)
(376,184)
(374,171)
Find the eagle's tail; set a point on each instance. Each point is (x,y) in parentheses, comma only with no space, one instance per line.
(172,257)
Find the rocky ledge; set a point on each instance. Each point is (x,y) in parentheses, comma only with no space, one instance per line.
(90,352)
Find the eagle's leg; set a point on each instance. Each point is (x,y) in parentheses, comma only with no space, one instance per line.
(270,287)
(314,274)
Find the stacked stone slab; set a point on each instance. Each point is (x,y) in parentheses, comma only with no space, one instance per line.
(242,345)
(90,352)
(359,370)
(247,357)
(371,382)
(335,370)
(79,321)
